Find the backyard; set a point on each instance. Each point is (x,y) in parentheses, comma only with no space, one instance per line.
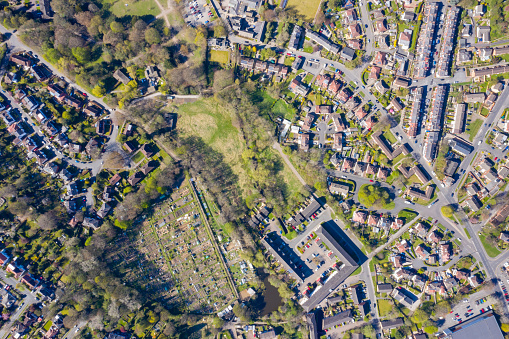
(306,8)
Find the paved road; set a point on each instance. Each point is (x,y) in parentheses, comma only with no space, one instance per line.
(29,299)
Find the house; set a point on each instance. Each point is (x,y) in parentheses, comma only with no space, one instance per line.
(397,261)
(339,189)
(93,109)
(464,56)
(30,281)
(461,275)
(354,44)
(350,16)
(451,283)
(91,146)
(473,203)
(119,75)
(380,26)
(374,74)
(102,126)
(435,287)
(91,222)
(104,210)
(422,252)
(474,281)
(397,224)
(380,59)
(73,102)
(130,146)
(373,220)
(360,217)
(360,113)
(4,258)
(479,11)
(504,236)
(149,167)
(391,324)
(108,193)
(445,251)
(334,87)
(485,54)
(147,151)
(383,173)
(483,34)
(115,179)
(21,60)
(407,16)
(418,281)
(7,299)
(396,105)
(304,141)
(490,101)
(380,87)
(268,334)
(369,122)
(16,270)
(384,288)
(403,246)
(56,92)
(472,98)
(298,88)
(347,53)
(421,230)
(404,297)
(434,237)
(135,178)
(401,82)
(405,39)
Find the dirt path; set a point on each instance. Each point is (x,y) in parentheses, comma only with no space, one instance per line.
(164,13)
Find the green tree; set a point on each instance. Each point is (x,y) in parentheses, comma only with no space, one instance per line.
(431,329)
(99,91)
(116,27)
(447,211)
(504,328)
(82,54)
(152,36)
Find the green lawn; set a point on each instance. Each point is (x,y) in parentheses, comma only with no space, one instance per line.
(490,250)
(390,137)
(473,128)
(137,157)
(384,307)
(407,214)
(306,8)
(282,109)
(47,325)
(140,8)
(221,57)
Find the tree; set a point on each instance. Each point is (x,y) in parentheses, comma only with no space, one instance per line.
(152,36)
(504,328)
(116,27)
(48,221)
(99,91)
(219,31)
(82,54)
(432,329)
(447,211)
(217,322)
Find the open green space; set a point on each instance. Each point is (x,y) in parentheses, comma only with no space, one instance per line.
(221,57)
(492,251)
(137,157)
(384,307)
(282,109)
(473,128)
(407,214)
(139,8)
(306,8)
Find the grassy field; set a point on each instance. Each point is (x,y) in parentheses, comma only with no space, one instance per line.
(473,128)
(305,8)
(282,109)
(490,250)
(137,157)
(384,307)
(407,214)
(222,57)
(140,8)
(214,124)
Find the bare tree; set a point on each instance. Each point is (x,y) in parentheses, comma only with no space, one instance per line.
(114,160)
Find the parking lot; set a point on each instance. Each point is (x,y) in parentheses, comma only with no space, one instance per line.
(197,12)
(477,304)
